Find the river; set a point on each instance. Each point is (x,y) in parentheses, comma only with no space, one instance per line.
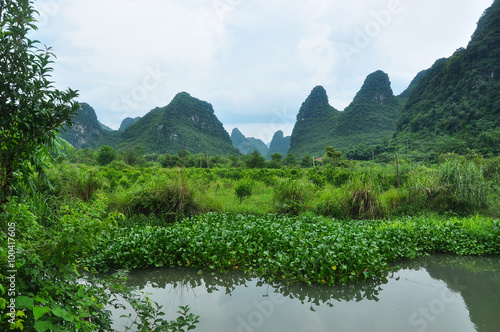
(435,293)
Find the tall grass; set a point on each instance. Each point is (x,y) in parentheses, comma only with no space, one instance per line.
(77,183)
(168,198)
(363,202)
(464,184)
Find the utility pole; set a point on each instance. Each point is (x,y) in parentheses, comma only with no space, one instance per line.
(407,151)
(397,170)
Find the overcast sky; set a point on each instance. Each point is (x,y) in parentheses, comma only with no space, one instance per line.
(255,61)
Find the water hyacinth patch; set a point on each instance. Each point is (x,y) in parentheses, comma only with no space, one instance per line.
(301,249)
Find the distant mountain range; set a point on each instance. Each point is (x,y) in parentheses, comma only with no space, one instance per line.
(452,106)
(247,145)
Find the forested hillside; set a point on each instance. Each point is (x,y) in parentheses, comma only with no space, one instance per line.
(87,131)
(456,105)
(370,119)
(279,144)
(186,123)
(314,126)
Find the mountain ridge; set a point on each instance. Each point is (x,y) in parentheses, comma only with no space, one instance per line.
(456,105)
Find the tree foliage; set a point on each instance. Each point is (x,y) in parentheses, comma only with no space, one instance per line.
(456,105)
(105,155)
(31,109)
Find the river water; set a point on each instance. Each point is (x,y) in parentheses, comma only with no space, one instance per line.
(436,293)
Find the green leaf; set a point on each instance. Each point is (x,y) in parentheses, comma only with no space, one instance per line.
(43,325)
(80,292)
(24,302)
(40,311)
(60,312)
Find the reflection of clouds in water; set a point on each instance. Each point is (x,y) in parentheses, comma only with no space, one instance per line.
(418,296)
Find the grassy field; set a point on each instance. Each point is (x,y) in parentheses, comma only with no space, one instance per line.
(326,224)
(457,186)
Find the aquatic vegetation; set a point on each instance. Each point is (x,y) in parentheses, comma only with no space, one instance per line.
(301,249)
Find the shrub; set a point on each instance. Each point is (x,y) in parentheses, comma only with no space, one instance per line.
(105,155)
(336,176)
(168,198)
(243,190)
(291,196)
(316,177)
(77,183)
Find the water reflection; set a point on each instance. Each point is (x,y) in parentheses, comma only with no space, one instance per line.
(437,293)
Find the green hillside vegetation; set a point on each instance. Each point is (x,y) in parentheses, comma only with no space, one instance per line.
(456,105)
(371,117)
(314,126)
(103,126)
(186,123)
(405,95)
(127,122)
(370,120)
(87,131)
(453,106)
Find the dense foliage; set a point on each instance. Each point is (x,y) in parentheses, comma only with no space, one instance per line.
(45,279)
(291,223)
(170,187)
(456,105)
(279,144)
(31,109)
(42,238)
(306,249)
(314,124)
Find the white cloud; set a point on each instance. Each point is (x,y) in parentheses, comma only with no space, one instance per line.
(247,58)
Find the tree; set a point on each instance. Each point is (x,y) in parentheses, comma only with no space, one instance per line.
(255,160)
(331,153)
(290,160)
(306,161)
(276,160)
(134,156)
(332,156)
(276,157)
(32,111)
(105,155)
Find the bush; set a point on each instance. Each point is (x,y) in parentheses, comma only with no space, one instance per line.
(243,190)
(50,293)
(105,155)
(77,183)
(291,196)
(336,176)
(167,198)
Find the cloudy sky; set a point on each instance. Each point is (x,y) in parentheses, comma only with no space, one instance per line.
(255,61)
